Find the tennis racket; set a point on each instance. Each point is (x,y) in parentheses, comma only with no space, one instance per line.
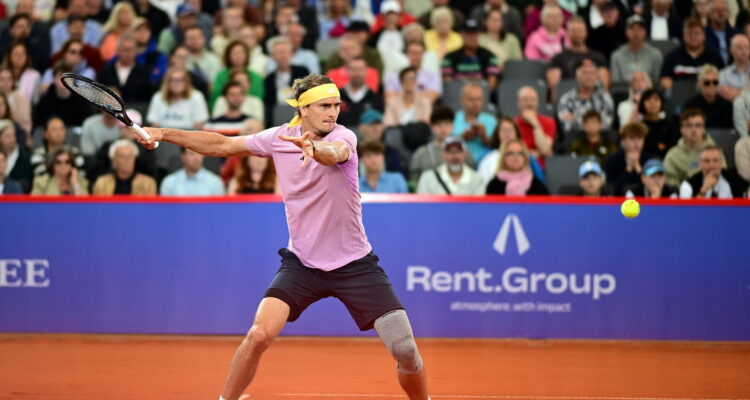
(103,98)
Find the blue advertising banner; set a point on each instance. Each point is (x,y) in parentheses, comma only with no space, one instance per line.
(461,269)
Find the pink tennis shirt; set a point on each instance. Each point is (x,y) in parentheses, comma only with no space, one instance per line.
(323,208)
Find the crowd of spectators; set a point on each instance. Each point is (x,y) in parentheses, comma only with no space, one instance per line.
(448,98)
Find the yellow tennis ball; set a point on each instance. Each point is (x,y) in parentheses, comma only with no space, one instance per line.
(630,208)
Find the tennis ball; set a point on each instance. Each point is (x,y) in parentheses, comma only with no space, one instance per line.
(630,208)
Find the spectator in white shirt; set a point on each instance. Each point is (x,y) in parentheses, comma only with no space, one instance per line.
(176,104)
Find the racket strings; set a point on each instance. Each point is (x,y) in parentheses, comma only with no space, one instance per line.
(95,95)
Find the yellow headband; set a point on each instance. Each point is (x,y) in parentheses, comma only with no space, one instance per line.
(311,96)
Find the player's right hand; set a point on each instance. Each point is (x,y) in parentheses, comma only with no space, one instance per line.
(155,133)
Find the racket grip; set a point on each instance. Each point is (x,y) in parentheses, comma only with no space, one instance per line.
(143,134)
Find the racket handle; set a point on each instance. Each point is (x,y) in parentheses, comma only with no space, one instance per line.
(143,134)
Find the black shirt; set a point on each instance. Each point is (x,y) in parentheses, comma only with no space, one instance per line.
(616,173)
(567,60)
(606,40)
(662,136)
(124,186)
(718,114)
(680,65)
(481,65)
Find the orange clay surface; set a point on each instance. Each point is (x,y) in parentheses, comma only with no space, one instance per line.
(77,367)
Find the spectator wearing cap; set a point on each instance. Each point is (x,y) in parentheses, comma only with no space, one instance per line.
(564,63)
(124,180)
(133,80)
(537,131)
(59,101)
(186,17)
(636,55)
(686,61)
(625,167)
(404,18)
(592,142)
(458,17)
(428,156)
(719,31)
(718,111)
(357,94)
(408,105)
(611,34)
(303,57)
(335,17)
(734,77)
(514,175)
(54,136)
(587,95)
(661,24)
(471,61)
(472,124)
(375,179)
(8,185)
(506,130)
(653,182)
(453,176)
(590,182)
(92,30)
(712,181)
(388,39)
(355,43)
(428,83)
(442,38)
(681,161)
(549,39)
(145,161)
(371,128)
(535,19)
(512,21)
(662,130)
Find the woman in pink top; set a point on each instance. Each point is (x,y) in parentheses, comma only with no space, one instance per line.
(550,39)
(120,20)
(328,254)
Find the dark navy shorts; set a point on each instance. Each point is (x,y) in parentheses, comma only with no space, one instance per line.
(361,285)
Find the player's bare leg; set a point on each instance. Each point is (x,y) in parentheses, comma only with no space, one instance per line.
(415,385)
(269,321)
(395,331)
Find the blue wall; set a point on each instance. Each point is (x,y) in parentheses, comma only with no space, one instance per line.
(462,270)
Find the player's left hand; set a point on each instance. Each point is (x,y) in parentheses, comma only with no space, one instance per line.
(305,143)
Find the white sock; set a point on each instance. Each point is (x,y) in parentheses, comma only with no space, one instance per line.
(221,398)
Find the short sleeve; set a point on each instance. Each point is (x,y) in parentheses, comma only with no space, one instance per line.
(345,136)
(260,143)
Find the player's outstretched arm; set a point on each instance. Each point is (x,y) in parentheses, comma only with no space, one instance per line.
(206,143)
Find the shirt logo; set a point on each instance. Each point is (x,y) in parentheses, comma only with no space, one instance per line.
(501,241)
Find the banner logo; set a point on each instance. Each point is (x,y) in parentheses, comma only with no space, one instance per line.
(501,241)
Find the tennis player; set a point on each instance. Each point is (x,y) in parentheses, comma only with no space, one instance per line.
(328,253)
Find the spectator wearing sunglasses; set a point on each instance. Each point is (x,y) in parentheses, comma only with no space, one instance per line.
(717,110)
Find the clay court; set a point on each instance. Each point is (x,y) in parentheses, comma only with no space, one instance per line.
(62,366)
